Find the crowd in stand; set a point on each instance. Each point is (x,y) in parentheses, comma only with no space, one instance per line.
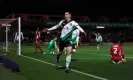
(111,19)
(126,34)
(89,38)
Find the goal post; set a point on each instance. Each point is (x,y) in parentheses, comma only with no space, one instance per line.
(7,25)
(8,30)
(19,31)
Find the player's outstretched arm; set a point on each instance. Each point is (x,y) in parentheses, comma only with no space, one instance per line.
(15,37)
(50,29)
(79,28)
(22,36)
(122,52)
(54,27)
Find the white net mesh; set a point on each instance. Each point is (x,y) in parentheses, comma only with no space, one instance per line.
(8,28)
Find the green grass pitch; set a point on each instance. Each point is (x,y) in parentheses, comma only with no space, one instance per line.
(86,60)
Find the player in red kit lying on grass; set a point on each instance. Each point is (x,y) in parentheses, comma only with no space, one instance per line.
(117,53)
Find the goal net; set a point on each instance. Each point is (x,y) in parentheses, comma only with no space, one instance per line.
(9,28)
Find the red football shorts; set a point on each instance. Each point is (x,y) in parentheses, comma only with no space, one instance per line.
(37,42)
(116,58)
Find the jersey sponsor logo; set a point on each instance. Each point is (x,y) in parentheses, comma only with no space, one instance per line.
(70,24)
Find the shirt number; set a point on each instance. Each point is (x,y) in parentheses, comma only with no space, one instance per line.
(115,50)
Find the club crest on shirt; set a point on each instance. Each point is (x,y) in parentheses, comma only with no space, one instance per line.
(70,24)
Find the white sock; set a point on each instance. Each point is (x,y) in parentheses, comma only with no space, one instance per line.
(65,50)
(53,52)
(98,48)
(68,60)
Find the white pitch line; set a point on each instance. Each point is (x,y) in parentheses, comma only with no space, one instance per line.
(83,73)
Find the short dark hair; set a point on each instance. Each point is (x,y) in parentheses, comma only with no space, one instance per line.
(68,12)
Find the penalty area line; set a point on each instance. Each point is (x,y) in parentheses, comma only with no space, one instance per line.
(76,71)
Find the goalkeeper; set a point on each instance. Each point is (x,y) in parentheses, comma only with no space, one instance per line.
(51,46)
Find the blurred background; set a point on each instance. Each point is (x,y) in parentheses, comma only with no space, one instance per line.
(115,17)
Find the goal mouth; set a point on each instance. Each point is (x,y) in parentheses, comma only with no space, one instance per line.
(8,27)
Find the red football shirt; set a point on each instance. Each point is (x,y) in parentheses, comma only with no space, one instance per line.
(116,51)
(37,35)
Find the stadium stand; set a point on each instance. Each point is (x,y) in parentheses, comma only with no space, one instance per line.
(120,24)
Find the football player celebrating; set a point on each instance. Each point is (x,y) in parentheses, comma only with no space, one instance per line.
(68,26)
(38,41)
(116,52)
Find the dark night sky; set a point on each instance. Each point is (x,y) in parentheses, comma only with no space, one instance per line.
(77,7)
